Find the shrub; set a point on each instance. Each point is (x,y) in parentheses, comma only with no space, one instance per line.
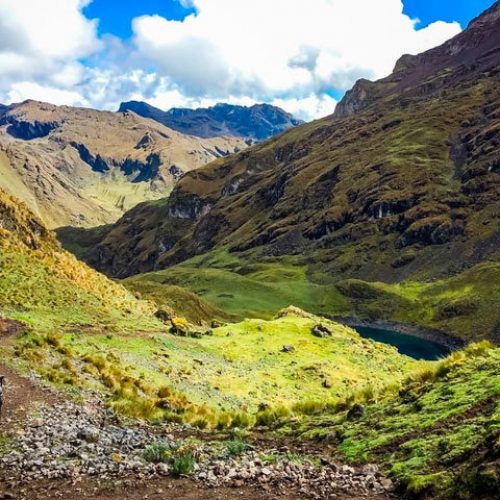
(183,463)
(424,375)
(164,392)
(309,407)
(236,447)
(224,421)
(53,340)
(157,453)
(479,348)
(242,420)
(200,422)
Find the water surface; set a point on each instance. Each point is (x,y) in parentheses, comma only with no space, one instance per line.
(410,345)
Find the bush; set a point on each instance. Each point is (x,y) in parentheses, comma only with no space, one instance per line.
(224,421)
(236,447)
(242,420)
(183,463)
(157,453)
(272,417)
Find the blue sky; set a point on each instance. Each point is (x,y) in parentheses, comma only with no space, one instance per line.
(429,11)
(97,53)
(117,19)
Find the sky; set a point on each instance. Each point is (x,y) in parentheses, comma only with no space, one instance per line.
(301,55)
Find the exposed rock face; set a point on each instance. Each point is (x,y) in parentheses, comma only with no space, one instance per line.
(356,99)
(255,123)
(475,47)
(410,162)
(81,167)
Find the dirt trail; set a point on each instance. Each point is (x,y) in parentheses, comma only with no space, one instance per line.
(21,395)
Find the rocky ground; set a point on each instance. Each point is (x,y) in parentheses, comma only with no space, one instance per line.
(72,443)
(53,447)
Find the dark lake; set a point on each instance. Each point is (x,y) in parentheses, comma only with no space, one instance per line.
(406,344)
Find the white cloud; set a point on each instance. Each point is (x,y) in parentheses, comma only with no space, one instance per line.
(308,108)
(30,90)
(290,53)
(42,41)
(268,49)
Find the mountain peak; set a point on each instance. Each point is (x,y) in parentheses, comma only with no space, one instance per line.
(475,50)
(489,16)
(257,122)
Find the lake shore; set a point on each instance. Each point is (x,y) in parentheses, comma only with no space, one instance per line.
(439,337)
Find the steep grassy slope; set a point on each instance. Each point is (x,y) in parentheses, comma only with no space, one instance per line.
(46,286)
(84,167)
(439,435)
(401,186)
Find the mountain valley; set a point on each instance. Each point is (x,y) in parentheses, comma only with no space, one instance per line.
(186,296)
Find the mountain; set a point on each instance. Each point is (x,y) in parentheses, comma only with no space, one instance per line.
(399,189)
(254,123)
(39,279)
(82,167)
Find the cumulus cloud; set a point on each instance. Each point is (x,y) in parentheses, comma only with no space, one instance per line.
(31,90)
(298,48)
(42,41)
(289,53)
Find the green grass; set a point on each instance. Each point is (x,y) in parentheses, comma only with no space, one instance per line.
(464,305)
(437,435)
(47,287)
(244,289)
(234,371)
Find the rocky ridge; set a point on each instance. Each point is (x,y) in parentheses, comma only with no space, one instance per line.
(254,123)
(82,167)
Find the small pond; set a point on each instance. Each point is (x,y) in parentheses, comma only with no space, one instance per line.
(410,345)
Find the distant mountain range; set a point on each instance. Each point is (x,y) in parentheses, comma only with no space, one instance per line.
(258,122)
(83,167)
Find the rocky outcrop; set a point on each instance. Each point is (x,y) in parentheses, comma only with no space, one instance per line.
(475,48)
(186,206)
(356,99)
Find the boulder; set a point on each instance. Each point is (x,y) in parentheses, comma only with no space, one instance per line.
(163,315)
(89,434)
(321,331)
(356,411)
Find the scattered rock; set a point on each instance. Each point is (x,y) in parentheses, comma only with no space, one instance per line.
(356,411)
(321,331)
(72,441)
(288,348)
(90,434)
(387,484)
(163,315)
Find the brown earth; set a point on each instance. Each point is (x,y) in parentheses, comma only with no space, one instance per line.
(82,167)
(22,396)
